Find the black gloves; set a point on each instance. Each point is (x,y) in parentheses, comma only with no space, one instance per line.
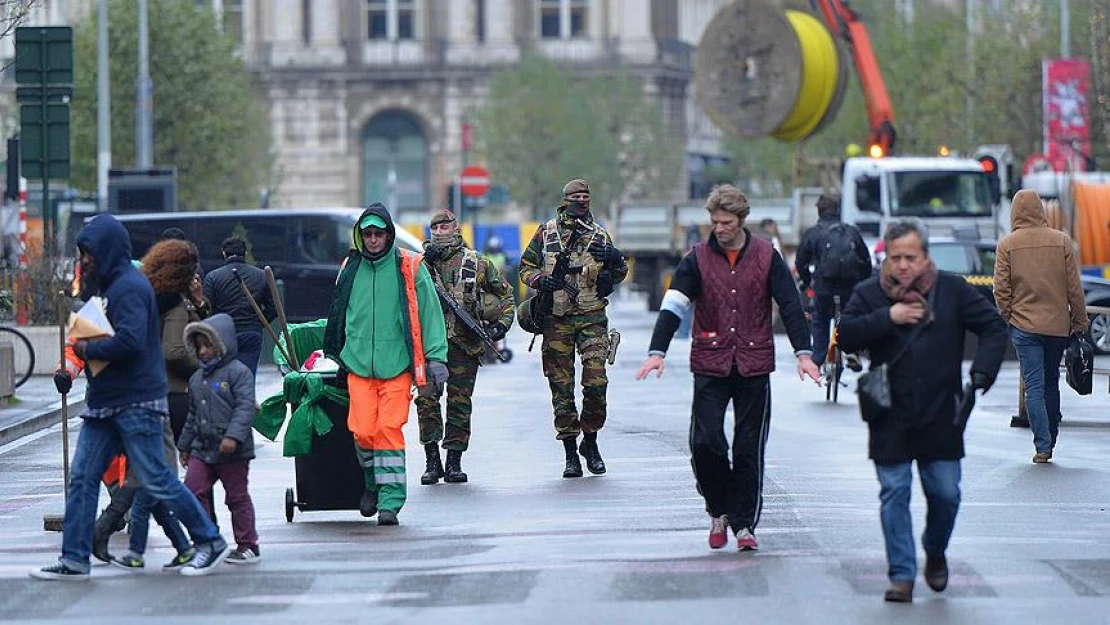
(436,378)
(496,331)
(62,381)
(980,381)
(550,284)
(604,252)
(604,284)
(432,252)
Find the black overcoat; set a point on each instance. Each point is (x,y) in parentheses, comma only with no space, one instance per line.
(926,381)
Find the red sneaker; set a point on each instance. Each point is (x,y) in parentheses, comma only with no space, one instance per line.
(718,532)
(745,540)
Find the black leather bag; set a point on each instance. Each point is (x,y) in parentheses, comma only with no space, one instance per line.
(873,387)
(1079,364)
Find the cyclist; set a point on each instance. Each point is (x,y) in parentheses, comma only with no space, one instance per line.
(834,258)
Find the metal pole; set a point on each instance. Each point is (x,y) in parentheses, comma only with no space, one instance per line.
(103,109)
(1065,30)
(969,102)
(143,106)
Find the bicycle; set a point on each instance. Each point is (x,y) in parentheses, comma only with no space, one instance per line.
(24,353)
(834,357)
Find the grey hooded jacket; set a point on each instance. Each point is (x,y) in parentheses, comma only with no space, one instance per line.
(221,396)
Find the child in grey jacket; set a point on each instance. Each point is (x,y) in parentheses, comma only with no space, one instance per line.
(216,442)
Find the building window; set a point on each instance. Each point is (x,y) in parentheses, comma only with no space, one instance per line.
(390,19)
(306,21)
(480,20)
(563,19)
(233,19)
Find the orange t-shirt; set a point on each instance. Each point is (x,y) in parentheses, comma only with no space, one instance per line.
(733,256)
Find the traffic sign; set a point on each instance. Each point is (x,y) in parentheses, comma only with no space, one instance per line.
(474,181)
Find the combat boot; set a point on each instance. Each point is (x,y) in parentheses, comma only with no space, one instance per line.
(590,452)
(433,470)
(574,466)
(452,472)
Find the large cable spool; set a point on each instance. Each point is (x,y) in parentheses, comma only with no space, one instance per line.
(760,71)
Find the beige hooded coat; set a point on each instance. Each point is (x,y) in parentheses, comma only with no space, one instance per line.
(1036,278)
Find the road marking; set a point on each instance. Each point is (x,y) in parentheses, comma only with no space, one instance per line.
(332,599)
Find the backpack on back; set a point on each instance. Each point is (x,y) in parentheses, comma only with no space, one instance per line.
(838,257)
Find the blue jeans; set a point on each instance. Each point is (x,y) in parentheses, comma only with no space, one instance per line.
(1040,357)
(146,505)
(250,348)
(138,433)
(940,480)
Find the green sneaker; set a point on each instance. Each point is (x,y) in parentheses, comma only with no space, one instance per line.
(181,560)
(129,561)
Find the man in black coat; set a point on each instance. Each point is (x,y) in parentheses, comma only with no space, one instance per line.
(221,289)
(912,318)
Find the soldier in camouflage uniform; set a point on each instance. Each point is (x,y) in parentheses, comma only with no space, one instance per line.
(596,268)
(478,286)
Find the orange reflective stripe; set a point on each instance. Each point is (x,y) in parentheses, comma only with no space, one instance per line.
(72,364)
(410,268)
(116,472)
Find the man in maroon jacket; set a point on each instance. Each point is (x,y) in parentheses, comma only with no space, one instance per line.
(733,277)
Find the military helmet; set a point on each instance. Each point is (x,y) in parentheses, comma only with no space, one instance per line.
(577,185)
(525,319)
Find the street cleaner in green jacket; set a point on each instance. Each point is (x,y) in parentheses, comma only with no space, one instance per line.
(386,330)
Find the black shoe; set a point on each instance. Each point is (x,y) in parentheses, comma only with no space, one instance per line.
(433,469)
(101,534)
(936,572)
(387,517)
(59,572)
(453,472)
(590,452)
(368,503)
(574,466)
(208,556)
(899,592)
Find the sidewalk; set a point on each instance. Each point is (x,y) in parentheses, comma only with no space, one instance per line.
(37,406)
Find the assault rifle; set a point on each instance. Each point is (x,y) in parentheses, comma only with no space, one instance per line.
(470,322)
(562,269)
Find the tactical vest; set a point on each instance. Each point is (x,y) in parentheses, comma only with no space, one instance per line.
(584,270)
(459,277)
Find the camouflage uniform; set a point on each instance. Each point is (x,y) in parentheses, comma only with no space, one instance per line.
(574,323)
(466,275)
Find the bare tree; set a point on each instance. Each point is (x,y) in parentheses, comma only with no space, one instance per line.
(12,14)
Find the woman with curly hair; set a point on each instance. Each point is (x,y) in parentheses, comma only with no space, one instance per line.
(171,267)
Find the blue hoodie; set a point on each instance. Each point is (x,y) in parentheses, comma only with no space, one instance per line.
(136,371)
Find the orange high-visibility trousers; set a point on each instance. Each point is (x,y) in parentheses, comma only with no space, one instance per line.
(379,410)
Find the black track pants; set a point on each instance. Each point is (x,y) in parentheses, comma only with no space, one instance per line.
(734,488)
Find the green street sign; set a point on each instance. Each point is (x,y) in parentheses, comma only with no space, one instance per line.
(56,129)
(44,55)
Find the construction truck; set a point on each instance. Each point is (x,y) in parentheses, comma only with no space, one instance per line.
(761,71)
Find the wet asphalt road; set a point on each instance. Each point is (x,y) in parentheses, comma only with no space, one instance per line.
(519,544)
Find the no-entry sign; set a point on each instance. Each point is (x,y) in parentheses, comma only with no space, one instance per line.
(474,181)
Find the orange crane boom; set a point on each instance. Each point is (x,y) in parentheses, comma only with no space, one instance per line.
(845,23)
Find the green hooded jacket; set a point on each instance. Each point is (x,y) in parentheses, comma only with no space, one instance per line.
(368,327)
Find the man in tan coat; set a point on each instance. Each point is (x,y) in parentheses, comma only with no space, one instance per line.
(1037,289)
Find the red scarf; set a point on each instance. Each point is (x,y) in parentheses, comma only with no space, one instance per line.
(916,289)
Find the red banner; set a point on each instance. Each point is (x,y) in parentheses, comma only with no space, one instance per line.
(1067,128)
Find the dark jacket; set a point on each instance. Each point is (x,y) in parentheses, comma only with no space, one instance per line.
(221,289)
(926,381)
(809,254)
(180,363)
(688,285)
(136,372)
(221,396)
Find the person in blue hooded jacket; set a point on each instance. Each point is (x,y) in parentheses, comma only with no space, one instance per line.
(125,404)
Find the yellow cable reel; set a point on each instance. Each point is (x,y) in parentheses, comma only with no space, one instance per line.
(821,73)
